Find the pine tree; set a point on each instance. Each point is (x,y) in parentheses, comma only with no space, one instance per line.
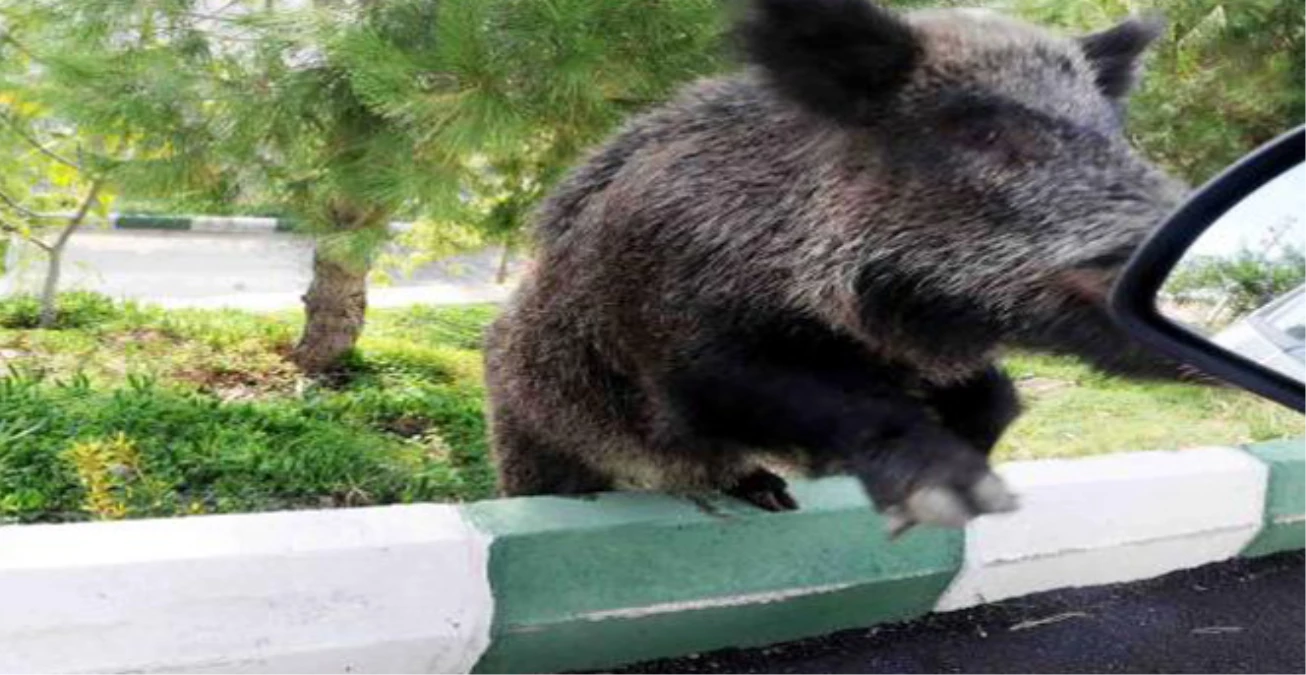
(1226,77)
(349,114)
(490,99)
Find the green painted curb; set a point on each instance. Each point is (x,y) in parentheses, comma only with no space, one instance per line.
(151,223)
(185,223)
(589,583)
(1285,499)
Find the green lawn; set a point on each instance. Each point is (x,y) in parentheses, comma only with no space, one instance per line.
(130,411)
(1072,411)
(125,411)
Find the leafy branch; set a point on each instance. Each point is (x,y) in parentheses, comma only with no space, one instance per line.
(36,144)
(26,212)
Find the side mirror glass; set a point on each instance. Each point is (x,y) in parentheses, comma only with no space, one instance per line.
(1221,285)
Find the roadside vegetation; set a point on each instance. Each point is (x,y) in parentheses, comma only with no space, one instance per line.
(1073,411)
(456,116)
(125,411)
(459,115)
(129,411)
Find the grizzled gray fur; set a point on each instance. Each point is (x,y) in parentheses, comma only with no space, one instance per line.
(815,262)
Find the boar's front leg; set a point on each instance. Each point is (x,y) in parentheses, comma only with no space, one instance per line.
(845,413)
(978,409)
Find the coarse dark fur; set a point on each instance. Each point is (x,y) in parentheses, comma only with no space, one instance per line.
(815,261)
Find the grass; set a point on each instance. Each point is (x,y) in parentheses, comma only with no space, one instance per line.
(1072,411)
(128,411)
(203,414)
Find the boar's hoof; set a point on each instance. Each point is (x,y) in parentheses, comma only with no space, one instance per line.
(949,507)
(764,490)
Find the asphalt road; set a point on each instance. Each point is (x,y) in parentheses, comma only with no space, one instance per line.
(1235,617)
(264,271)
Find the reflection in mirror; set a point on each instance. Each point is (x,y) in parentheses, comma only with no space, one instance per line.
(1241,283)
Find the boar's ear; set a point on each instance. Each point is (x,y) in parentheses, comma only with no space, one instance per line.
(1114,53)
(839,58)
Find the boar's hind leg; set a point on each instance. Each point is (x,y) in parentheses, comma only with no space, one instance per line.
(528,466)
(845,414)
(765,490)
(979,409)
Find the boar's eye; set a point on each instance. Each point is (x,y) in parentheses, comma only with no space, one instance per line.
(980,135)
(986,135)
(976,125)
(1009,138)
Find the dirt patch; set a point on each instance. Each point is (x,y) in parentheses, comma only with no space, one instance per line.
(140,336)
(1042,386)
(408,426)
(233,385)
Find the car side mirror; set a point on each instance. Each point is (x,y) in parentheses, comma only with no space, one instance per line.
(1219,285)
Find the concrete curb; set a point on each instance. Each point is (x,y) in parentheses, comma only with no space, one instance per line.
(390,589)
(215,224)
(210,224)
(1284,525)
(1111,519)
(547,584)
(592,583)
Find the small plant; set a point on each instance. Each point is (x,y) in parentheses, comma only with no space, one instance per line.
(73,310)
(461,327)
(107,470)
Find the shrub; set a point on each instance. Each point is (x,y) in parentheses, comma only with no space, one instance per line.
(462,327)
(74,310)
(1242,282)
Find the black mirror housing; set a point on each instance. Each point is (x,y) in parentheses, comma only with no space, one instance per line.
(1134,297)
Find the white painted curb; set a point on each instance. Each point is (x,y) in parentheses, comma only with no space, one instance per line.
(1111,519)
(388,589)
(239,224)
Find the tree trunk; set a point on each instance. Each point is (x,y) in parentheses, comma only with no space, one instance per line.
(50,288)
(502,274)
(334,308)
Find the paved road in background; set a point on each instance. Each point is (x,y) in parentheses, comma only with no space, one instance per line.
(249,271)
(1236,617)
